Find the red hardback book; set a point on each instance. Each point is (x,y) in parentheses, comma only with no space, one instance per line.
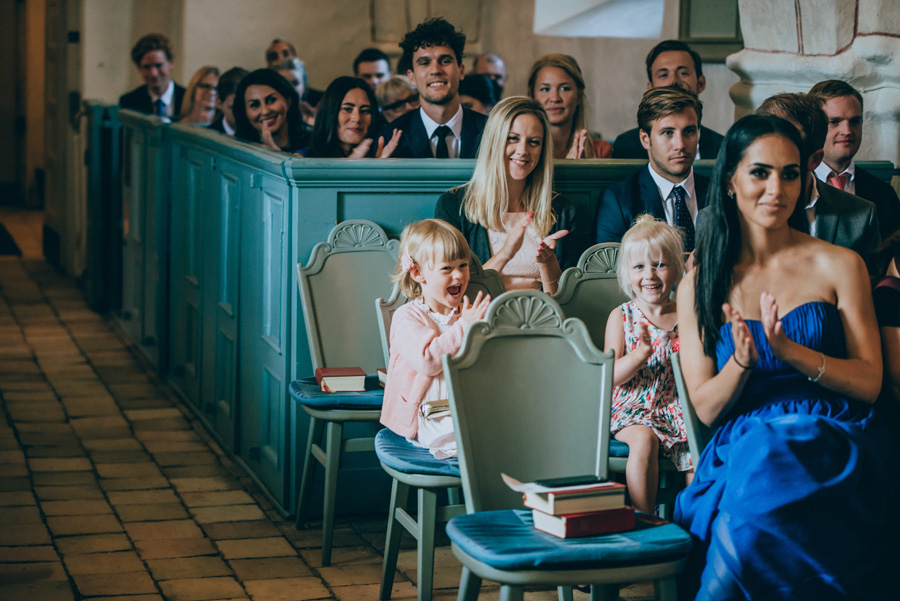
(341,379)
(594,523)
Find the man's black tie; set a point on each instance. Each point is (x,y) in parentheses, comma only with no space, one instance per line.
(683,219)
(440,150)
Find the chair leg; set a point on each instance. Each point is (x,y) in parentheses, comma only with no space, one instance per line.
(564,593)
(666,590)
(454,496)
(604,592)
(509,592)
(333,436)
(399,498)
(427,518)
(469,585)
(316,426)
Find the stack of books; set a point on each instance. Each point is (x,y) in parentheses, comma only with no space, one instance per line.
(341,379)
(577,510)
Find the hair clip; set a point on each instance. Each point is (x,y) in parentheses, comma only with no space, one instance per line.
(406,262)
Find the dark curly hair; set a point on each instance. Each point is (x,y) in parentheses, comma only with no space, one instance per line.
(325,141)
(266,77)
(719,240)
(433,32)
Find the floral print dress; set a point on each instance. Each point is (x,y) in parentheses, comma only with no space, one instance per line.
(650,398)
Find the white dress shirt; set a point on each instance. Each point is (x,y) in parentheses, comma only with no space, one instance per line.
(666,187)
(455,125)
(167,98)
(823,172)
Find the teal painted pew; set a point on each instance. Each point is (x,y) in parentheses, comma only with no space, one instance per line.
(212,231)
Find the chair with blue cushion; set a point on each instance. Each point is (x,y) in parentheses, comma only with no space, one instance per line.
(414,468)
(338,285)
(590,291)
(530,397)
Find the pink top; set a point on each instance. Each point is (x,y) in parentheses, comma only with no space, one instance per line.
(417,346)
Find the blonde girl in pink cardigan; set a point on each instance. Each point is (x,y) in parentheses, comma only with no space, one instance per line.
(433,272)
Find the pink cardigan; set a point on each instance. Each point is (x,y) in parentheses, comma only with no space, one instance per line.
(417,346)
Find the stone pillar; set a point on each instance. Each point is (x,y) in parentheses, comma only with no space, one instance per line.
(789,45)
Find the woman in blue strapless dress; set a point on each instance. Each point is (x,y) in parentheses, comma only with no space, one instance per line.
(780,350)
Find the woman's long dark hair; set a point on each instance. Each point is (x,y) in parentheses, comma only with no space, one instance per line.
(325,141)
(267,77)
(719,240)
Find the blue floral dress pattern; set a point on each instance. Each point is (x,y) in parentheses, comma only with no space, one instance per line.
(650,398)
(794,497)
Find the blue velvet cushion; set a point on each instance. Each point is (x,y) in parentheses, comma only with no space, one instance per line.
(618,448)
(307,392)
(399,454)
(507,540)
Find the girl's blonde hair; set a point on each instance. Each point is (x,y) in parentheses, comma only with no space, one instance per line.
(570,66)
(649,237)
(486,197)
(427,242)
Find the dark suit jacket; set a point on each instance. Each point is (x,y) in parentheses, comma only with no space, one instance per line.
(414,143)
(846,220)
(628,145)
(885,198)
(139,100)
(621,202)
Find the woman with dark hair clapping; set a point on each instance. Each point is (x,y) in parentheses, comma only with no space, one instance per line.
(793,497)
(346,121)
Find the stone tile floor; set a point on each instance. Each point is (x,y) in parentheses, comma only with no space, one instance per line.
(111,490)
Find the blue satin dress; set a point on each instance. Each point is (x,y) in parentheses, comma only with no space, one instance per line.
(792,497)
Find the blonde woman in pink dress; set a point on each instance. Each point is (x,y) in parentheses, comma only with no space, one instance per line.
(643,333)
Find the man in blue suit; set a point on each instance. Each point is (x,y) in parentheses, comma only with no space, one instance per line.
(160,95)
(667,188)
(843,105)
(441,127)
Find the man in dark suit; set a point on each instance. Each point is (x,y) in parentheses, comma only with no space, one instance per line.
(834,215)
(159,95)
(441,127)
(667,188)
(843,105)
(671,62)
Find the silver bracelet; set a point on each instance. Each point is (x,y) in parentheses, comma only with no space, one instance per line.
(821,370)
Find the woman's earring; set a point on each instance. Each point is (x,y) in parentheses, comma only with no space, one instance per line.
(731,194)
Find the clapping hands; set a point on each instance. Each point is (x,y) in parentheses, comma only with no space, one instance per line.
(745,353)
(474,311)
(547,248)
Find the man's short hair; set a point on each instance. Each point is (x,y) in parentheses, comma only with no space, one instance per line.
(672,46)
(434,32)
(490,57)
(834,88)
(280,41)
(803,110)
(370,55)
(666,100)
(149,43)
(228,82)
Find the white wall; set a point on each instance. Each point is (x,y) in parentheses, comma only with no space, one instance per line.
(329,34)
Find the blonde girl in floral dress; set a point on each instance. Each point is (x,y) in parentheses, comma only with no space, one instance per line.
(643,333)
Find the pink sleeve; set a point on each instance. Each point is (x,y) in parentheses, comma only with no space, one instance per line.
(419,343)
